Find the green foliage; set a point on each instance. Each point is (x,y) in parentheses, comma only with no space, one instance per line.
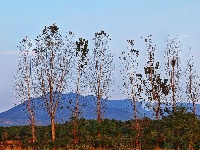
(182,127)
(179,128)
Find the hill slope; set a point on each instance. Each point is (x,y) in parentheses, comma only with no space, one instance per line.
(114,109)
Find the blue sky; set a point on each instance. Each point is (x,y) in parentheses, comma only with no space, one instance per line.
(121,19)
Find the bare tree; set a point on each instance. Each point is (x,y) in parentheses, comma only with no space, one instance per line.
(192,83)
(155,86)
(80,69)
(24,80)
(101,71)
(174,73)
(132,83)
(52,62)
(173,69)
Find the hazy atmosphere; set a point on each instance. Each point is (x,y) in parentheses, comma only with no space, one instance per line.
(122,20)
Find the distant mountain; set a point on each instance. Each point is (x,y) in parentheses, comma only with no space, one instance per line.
(114,109)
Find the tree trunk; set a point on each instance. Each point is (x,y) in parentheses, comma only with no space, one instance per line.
(32,122)
(31,115)
(76,108)
(173,85)
(137,143)
(157,145)
(99,103)
(33,127)
(75,131)
(75,122)
(191,145)
(99,115)
(194,106)
(157,111)
(53,128)
(177,146)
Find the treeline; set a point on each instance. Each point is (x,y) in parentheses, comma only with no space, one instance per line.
(180,130)
(53,64)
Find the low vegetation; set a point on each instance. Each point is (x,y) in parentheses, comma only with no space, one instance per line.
(179,130)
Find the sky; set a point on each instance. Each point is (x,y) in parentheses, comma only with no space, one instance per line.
(121,19)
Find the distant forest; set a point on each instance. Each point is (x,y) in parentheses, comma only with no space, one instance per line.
(53,64)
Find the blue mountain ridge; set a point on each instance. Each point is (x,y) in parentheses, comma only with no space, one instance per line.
(112,109)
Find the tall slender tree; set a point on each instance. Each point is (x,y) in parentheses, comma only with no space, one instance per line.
(52,62)
(101,71)
(132,83)
(173,69)
(25,81)
(80,65)
(192,83)
(174,74)
(155,86)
